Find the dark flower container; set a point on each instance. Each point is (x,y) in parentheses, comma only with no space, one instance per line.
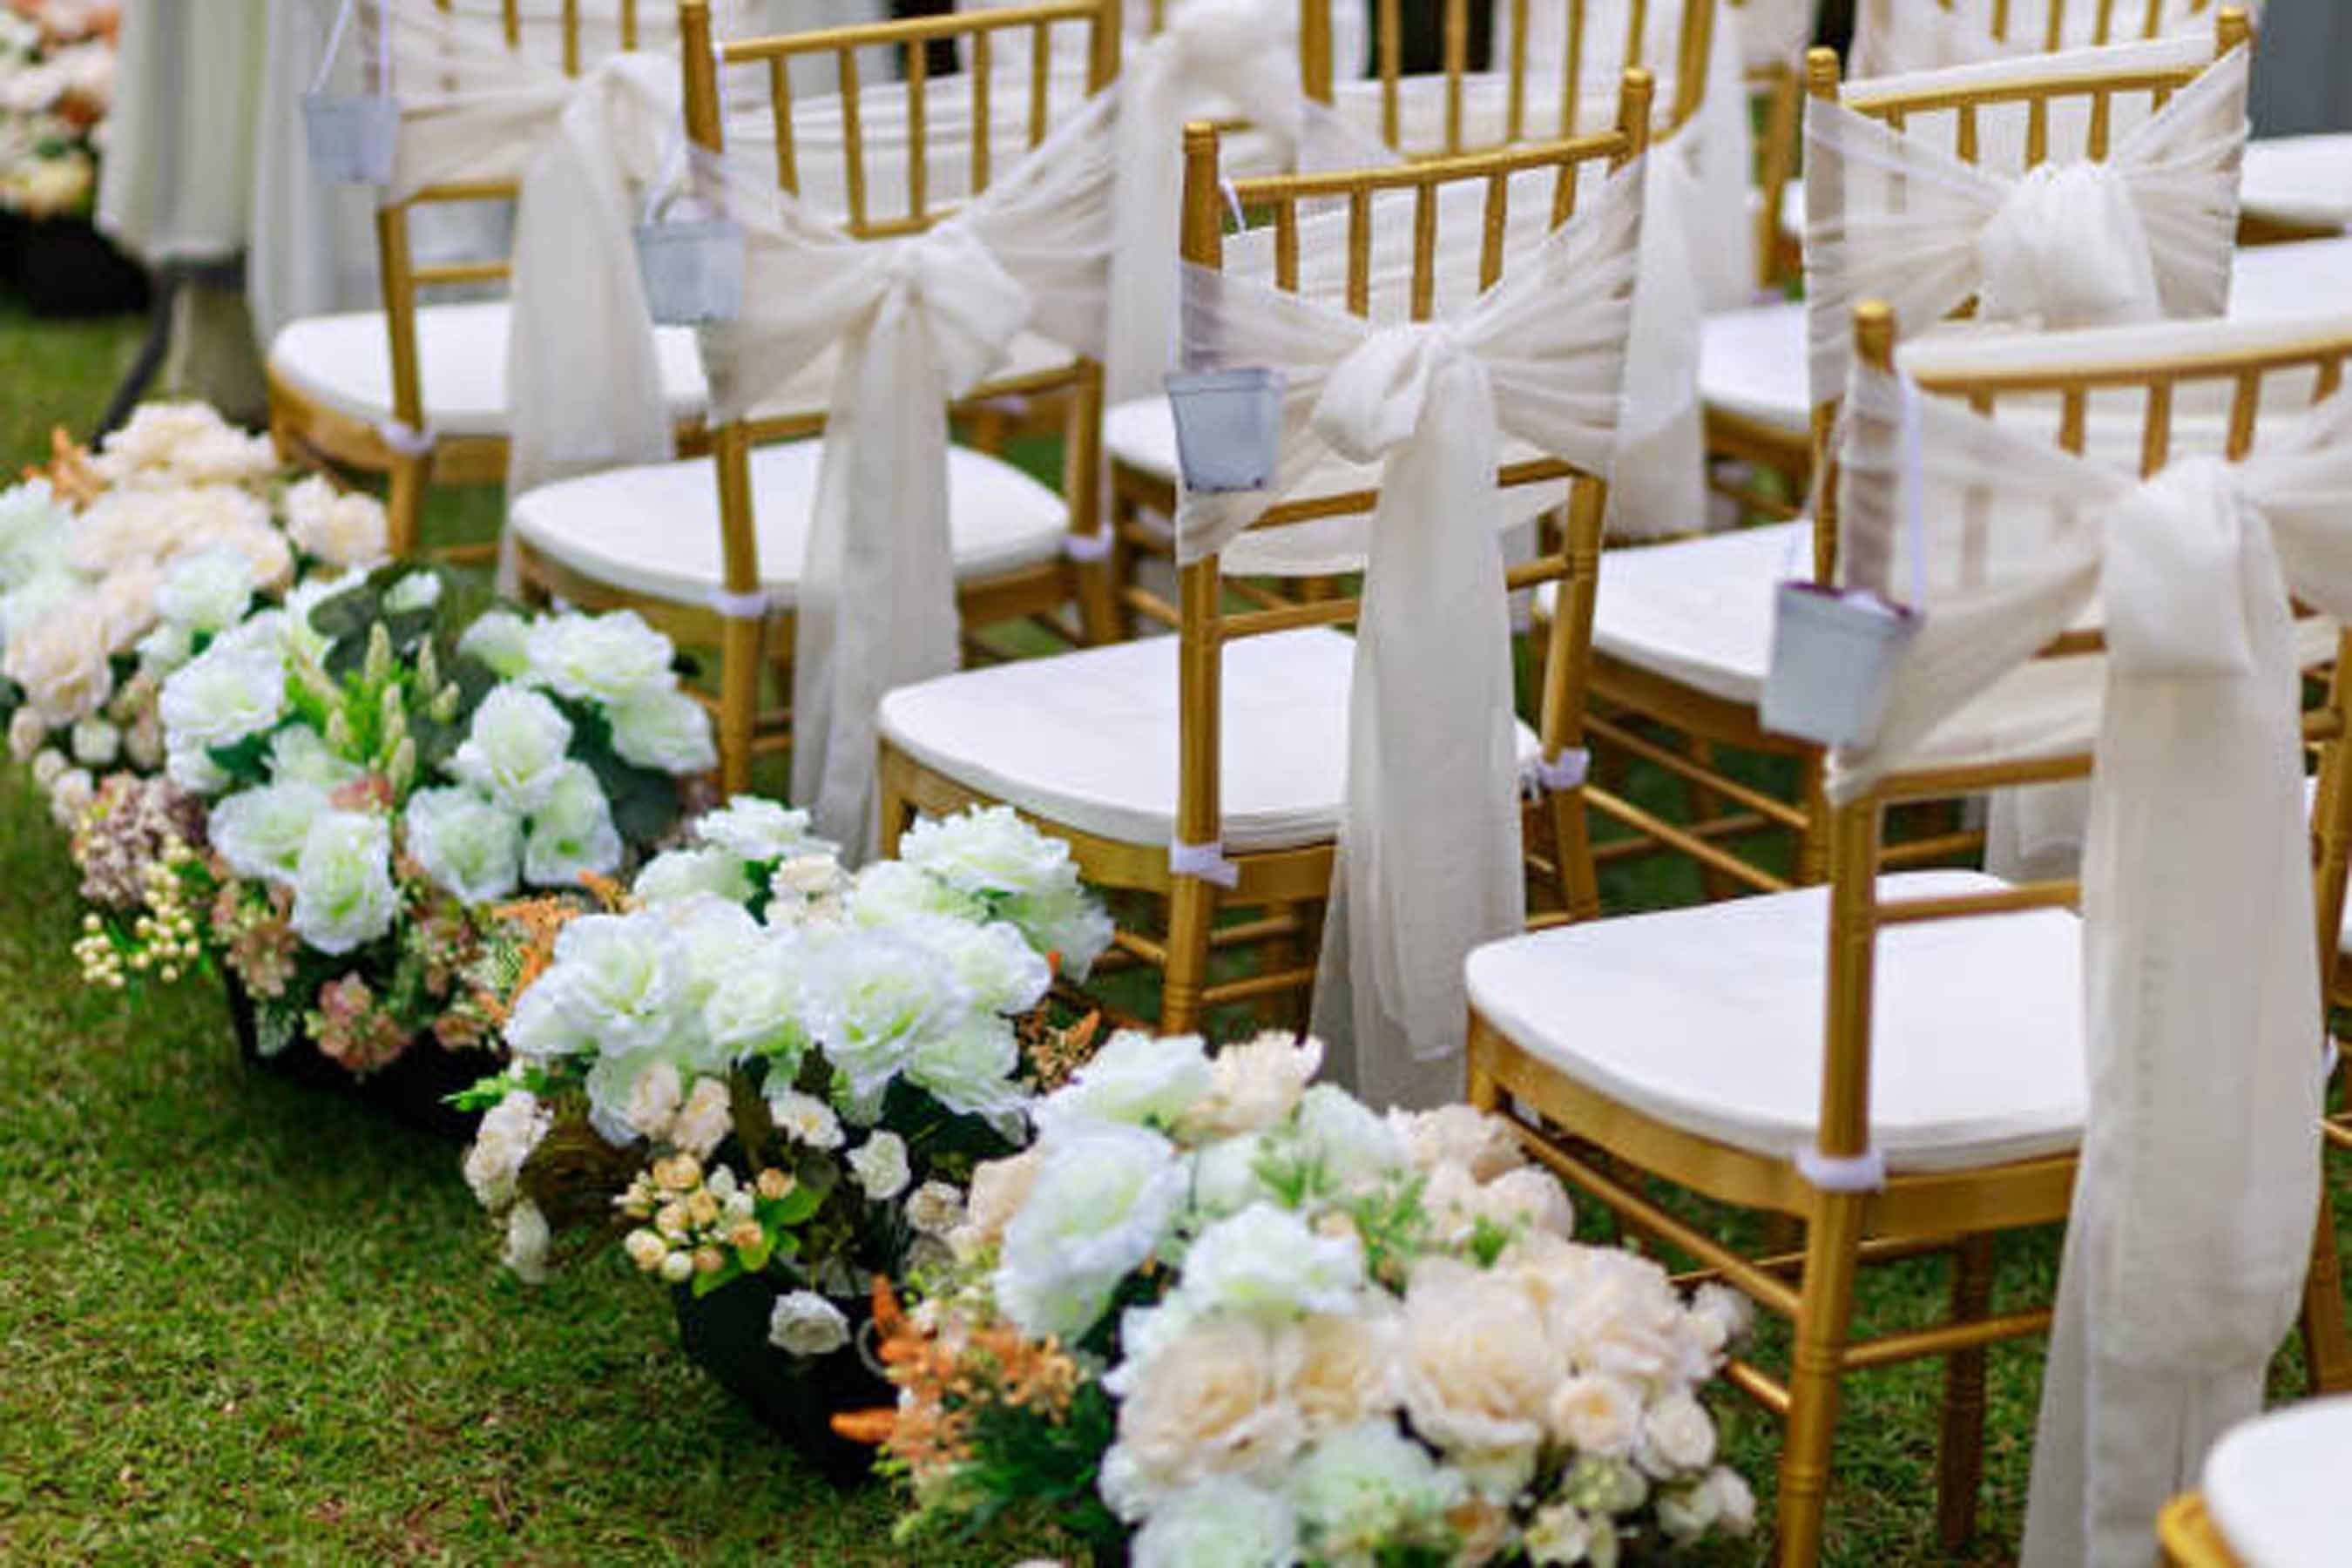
(63,266)
(413,1089)
(726,1334)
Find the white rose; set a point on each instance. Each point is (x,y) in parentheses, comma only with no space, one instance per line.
(1367,1486)
(60,661)
(23,606)
(753,828)
(501,639)
(261,833)
(206,590)
(48,768)
(935,1208)
(344,893)
(571,831)
(1478,1369)
(1529,1197)
(880,1166)
(1134,1077)
(599,658)
(526,1242)
(1344,1138)
(872,998)
(805,1323)
(705,1119)
(804,1119)
(1265,1260)
(96,744)
(191,767)
(664,729)
(677,874)
(653,1101)
(341,528)
(1343,1367)
(470,848)
(1718,1316)
(621,986)
(993,962)
(503,1141)
(32,532)
(541,1028)
(1735,1504)
(888,892)
(515,750)
(1677,1437)
(971,1066)
(229,691)
(269,560)
(1595,1413)
(1560,1536)
(1066,921)
(126,600)
(1103,1199)
(27,732)
(988,851)
(1221,1523)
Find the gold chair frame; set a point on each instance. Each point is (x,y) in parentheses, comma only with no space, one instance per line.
(1725,810)
(749,648)
(2188,1538)
(1604,1148)
(310,431)
(1286,885)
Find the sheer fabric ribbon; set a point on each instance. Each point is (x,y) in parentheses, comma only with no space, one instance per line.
(2193,1207)
(1429,852)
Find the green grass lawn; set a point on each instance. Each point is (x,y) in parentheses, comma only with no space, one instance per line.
(241,1321)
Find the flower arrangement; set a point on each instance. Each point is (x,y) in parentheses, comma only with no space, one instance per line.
(116,568)
(762,1072)
(57,84)
(357,785)
(1219,1313)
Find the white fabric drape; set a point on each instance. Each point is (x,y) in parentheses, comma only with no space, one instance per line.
(1429,854)
(2193,1207)
(919,321)
(1896,36)
(2071,243)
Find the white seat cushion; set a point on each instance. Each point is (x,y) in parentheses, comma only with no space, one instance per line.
(1089,740)
(1142,435)
(1752,362)
(2299,179)
(654,529)
(1710,1019)
(344,362)
(2274,1485)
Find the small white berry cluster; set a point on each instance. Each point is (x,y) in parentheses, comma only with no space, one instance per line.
(163,937)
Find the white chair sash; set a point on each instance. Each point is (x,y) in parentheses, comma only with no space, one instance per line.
(1429,854)
(2193,1208)
(919,321)
(1892,36)
(2068,244)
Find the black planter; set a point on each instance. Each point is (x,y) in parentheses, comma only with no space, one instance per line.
(413,1089)
(726,1334)
(12,247)
(66,267)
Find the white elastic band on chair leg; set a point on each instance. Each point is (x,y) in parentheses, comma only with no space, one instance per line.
(1087,548)
(405,439)
(1566,772)
(751,606)
(2328,1061)
(1206,861)
(1863,1172)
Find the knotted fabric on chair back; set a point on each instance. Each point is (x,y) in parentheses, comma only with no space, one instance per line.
(2194,1203)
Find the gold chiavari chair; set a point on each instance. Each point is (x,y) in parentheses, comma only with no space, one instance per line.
(1777,87)
(2186,1534)
(641,538)
(2068,23)
(1613,1038)
(1232,732)
(415,391)
(1683,630)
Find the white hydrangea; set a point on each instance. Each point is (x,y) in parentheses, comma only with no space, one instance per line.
(344,892)
(262,833)
(515,750)
(880,1166)
(1105,1197)
(1222,1522)
(229,691)
(664,729)
(677,874)
(751,827)
(504,1139)
(471,847)
(501,639)
(571,831)
(804,1323)
(599,658)
(1134,1077)
(205,589)
(1266,1261)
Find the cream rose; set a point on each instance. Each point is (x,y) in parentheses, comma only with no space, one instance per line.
(60,661)
(1256,1083)
(1595,1413)
(1343,1369)
(341,528)
(1477,1369)
(1211,1401)
(999,1188)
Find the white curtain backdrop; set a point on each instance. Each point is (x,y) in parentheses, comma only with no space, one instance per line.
(1429,854)
(2193,1209)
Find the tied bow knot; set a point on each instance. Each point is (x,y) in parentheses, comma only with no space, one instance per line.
(1379,395)
(971,307)
(2067,248)
(2172,586)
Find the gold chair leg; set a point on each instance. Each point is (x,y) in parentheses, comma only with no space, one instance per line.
(1959,1459)
(1192,911)
(2327,1351)
(1824,1313)
(1814,846)
(897,812)
(404,505)
(739,659)
(1099,598)
(1571,847)
(1703,805)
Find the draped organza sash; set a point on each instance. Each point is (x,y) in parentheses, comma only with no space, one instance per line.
(2146,234)
(919,321)
(1429,852)
(2193,1205)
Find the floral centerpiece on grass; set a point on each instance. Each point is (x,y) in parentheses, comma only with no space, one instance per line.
(57,84)
(116,568)
(1218,1314)
(771,1080)
(357,785)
